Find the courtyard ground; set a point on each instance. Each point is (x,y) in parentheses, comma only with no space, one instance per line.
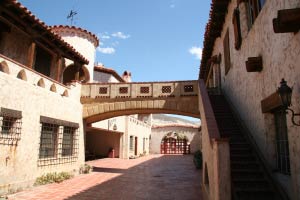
(154,177)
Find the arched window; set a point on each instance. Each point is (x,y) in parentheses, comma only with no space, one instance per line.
(70,74)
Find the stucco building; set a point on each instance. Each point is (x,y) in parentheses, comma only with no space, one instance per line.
(249,47)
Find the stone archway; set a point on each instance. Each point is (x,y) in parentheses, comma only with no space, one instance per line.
(69,74)
(174,143)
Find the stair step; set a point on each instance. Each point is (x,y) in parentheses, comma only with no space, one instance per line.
(244,151)
(255,195)
(247,174)
(240,157)
(245,165)
(253,185)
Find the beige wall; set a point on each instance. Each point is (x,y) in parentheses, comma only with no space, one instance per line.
(280,53)
(192,133)
(21,167)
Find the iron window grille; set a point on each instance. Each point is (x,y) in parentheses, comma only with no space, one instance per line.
(144,90)
(103,90)
(69,141)
(166,89)
(49,141)
(58,143)
(10,126)
(123,90)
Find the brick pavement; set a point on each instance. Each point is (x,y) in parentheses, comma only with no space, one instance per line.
(154,177)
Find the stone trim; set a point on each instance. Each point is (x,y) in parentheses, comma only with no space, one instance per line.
(44,119)
(10,113)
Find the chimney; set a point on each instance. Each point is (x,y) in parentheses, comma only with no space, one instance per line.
(127,76)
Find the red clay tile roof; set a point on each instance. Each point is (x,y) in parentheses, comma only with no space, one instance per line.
(24,15)
(109,71)
(218,11)
(93,37)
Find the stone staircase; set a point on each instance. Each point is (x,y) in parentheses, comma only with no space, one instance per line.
(249,180)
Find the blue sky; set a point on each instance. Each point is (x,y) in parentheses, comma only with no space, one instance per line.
(157,40)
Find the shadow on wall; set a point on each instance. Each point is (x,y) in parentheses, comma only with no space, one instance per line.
(164,177)
(196,143)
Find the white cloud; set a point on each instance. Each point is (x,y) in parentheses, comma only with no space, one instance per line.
(196,51)
(106,50)
(120,35)
(172,6)
(103,36)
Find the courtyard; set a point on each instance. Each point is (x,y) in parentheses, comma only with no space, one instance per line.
(149,177)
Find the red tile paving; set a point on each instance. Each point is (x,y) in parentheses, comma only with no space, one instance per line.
(154,177)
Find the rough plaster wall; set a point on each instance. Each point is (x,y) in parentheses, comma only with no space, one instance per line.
(281,58)
(21,169)
(119,121)
(84,47)
(193,135)
(141,130)
(100,143)
(16,46)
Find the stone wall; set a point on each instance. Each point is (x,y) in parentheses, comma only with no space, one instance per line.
(19,162)
(280,54)
(192,133)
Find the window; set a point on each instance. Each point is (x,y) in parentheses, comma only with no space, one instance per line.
(188,88)
(254,7)
(58,143)
(48,142)
(123,90)
(43,61)
(10,126)
(166,89)
(226,52)
(282,144)
(68,141)
(131,143)
(144,90)
(237,29)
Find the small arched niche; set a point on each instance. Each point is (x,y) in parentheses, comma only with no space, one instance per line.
(22,75)
(69,74)
(41,83)
(53,88)
(4,67)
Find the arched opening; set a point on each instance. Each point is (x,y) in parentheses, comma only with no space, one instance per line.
(53,88)
(175,143)
(22,75)
(70,74)
(41,83)
(4,67)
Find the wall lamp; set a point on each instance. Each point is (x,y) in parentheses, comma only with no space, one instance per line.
(285,93)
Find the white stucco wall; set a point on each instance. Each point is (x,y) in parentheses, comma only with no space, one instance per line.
(280,53)
(19,164)
(82,44)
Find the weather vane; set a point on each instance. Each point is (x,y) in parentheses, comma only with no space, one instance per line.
(71,16)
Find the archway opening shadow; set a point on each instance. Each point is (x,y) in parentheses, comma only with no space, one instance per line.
(162,177)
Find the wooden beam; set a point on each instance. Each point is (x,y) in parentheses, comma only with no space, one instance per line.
(287,21)
(31,55)
(254,64)
(271,103)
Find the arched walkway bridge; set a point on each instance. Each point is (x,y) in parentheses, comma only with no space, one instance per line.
(105,100)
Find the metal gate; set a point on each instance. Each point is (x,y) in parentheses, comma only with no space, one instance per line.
(174,146)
